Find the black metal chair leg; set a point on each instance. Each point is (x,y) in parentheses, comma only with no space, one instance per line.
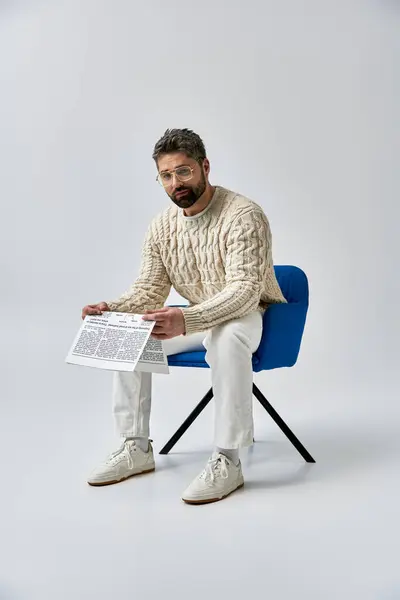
(187,423)
(281,423)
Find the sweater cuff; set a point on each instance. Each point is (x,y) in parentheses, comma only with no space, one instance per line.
(193,322)
(113,306)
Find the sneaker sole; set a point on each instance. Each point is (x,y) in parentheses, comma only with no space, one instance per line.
(211,500)
(104,483)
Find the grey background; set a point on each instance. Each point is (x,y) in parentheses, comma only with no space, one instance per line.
(297,103)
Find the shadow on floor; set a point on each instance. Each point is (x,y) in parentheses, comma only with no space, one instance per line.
(336,449)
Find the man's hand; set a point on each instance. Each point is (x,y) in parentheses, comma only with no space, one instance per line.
(95,309)
(169,322)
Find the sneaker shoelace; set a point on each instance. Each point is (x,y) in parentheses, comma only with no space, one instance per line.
(121,449)
(216,466)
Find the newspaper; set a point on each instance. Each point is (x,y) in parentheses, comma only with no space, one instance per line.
(118,342)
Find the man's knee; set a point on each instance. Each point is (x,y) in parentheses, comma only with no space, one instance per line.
(232,333)
(243,335)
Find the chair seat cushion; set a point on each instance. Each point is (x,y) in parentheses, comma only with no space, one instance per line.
(188,359)
(195,359)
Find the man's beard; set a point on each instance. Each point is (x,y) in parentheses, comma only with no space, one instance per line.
(192,195)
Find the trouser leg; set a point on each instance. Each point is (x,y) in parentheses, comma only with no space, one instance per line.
(230,347)
(132,390)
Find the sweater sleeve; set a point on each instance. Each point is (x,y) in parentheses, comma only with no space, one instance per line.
(248,264)
(151,288)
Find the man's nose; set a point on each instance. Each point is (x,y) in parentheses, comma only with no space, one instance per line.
(176,183)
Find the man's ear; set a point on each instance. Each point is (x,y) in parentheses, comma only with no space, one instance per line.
(206,166)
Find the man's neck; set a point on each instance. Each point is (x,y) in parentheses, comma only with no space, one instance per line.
(201,203)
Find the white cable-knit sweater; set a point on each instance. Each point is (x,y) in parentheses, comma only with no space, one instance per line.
(219,260)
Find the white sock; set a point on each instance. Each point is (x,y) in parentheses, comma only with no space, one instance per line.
(233,455)
(142,442)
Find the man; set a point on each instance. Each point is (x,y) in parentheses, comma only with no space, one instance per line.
(214,247)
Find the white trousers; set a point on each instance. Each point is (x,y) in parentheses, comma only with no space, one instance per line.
(229,348)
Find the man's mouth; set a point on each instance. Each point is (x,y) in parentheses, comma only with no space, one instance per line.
(181,194)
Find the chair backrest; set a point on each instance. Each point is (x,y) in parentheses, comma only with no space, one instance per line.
(293,283)
(283,324)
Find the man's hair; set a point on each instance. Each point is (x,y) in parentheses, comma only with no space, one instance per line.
(180,140)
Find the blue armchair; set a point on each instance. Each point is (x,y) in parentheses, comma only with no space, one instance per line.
(283,326)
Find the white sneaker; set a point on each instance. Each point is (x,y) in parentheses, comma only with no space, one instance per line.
(127,461)
(220,478)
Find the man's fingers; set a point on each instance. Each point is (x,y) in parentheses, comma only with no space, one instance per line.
(94,309)
(157,310)
(158,329)
(161,336)
(157,316)
(91,311)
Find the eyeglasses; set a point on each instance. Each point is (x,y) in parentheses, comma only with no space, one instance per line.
(182,173)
